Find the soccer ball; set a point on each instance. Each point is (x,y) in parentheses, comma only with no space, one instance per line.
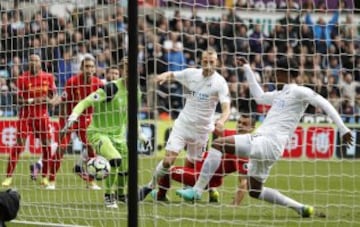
(98,167)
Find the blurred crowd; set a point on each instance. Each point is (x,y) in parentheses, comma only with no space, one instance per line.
(327,50)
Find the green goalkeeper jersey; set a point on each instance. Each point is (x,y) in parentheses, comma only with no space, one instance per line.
(110,109)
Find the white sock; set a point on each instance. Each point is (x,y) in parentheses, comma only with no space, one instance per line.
(208,169)
(274,196)
(160,171)
(39,162)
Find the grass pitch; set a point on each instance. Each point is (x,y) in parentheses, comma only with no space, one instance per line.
(332,186)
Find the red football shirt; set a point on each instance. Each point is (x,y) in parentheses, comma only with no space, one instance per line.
(76,90)
(35,86)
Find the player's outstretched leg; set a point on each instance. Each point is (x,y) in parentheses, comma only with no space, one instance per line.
(275,197)
(189,194)
(307,211)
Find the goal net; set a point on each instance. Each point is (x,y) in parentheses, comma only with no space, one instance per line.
(322,36)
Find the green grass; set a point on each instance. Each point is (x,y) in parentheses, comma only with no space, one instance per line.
(331,186)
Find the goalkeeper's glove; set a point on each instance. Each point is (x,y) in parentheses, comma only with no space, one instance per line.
(72,118)
(145,141)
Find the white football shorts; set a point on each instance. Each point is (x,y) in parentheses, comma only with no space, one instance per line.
(193,142)
(262,151)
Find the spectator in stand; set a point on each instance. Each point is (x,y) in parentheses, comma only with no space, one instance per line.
(322,31)
(119,23)
(175,20)
(35,24)
(86,22)
(195,19)
(175,60)
(241,41)
(347,110)
(175,56)
(6,105)
(243,4)
(349,87)
(256,40)
(64,70)
(306,37)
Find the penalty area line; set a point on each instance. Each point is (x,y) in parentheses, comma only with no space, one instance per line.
(46,224)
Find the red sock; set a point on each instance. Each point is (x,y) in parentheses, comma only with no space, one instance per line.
(13,159)
(90,152)
(164,185)
(55,164)
(46,157)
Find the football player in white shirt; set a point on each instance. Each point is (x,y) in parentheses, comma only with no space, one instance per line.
(205,89)
(266,145)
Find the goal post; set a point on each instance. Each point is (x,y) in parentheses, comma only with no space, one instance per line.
(172,34)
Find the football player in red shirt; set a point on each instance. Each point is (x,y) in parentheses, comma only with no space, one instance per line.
(229,164)
(36,89)
(76,88)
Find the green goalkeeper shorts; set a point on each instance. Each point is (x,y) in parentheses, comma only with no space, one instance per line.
(110,147)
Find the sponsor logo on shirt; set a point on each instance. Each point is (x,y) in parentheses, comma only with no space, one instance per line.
(200,96)
(96,97)
(278,103)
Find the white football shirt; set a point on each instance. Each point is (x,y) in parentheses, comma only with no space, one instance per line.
(202,95)
(288,106)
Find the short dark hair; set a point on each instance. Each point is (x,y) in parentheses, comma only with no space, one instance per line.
(288,65)
(111,67)
(251,116)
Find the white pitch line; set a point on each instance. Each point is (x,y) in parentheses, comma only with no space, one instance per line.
(46,224)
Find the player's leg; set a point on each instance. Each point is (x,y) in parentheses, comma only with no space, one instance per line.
(256,190)
(105,147)
(55,160)
(214,195)
(165,183)
(161,171)
(261,161)
(174,145)
(184,175)
(42,130)
(21,135)
(219,146)
(121,147)
(87,153)
(35,168)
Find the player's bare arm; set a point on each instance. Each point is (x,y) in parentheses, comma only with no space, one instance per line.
(164,77)
(241,191)
(317,100)
(219,124)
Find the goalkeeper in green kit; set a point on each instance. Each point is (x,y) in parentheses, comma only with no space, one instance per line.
(107,132)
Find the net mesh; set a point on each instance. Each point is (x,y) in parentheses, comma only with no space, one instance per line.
(322,36)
